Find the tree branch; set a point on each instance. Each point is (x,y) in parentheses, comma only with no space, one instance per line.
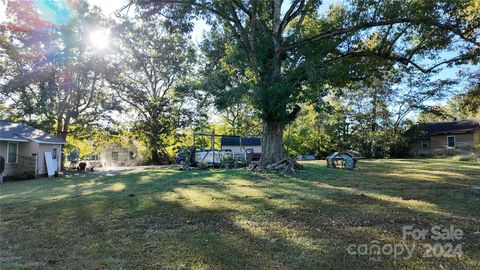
(367,25)
(400,59)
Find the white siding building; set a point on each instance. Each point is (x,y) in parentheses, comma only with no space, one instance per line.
(23,148)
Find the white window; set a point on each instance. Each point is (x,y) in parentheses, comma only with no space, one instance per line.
(425,144)
(54,153)
(114,155)
(12,153)
(451,141)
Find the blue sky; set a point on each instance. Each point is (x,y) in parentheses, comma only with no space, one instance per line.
(110,6)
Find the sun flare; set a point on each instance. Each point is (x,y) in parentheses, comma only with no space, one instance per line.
(100,38)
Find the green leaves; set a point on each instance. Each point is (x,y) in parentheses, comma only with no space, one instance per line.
(53,80)
(150,76)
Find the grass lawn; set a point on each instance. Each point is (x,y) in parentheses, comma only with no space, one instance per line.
(236,219)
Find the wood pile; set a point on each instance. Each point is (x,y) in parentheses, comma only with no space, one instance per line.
(288,165)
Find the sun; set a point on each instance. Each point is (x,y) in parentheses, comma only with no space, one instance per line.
(100,38)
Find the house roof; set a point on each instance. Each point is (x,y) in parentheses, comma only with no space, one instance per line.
(235,141)
(461,126)
(20,132)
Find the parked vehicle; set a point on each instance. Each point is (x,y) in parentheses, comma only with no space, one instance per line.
(180,158)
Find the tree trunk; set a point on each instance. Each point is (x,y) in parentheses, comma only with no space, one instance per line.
(272,147)
(63,125)
(155,157)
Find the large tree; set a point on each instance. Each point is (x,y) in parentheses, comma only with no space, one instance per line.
(281,50)
(149,75)
(240,119)
(53,76)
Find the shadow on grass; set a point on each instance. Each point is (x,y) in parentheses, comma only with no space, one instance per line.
(220,219)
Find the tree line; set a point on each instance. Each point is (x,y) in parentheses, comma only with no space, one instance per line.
(307,82)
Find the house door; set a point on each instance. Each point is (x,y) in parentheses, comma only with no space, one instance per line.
(55,158)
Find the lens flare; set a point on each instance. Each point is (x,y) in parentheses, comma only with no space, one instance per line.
(100,38)
(53,11)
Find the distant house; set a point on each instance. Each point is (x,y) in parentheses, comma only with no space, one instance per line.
(24,148)
(447,138)
(115,155)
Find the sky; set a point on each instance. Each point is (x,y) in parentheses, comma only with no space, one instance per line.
(3,7)
(110,6)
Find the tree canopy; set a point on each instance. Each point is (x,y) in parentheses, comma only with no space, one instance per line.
(148,75)
(52,77)
(309,78)
(282,53)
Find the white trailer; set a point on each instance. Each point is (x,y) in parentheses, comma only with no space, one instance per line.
(209,157)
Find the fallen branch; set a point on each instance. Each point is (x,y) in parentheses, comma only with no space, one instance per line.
(288,165)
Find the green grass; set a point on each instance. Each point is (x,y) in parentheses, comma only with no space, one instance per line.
(237,219)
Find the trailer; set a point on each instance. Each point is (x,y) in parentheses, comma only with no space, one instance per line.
(232,149)
(208,157)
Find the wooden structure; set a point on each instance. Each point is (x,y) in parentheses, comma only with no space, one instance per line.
(342,160)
